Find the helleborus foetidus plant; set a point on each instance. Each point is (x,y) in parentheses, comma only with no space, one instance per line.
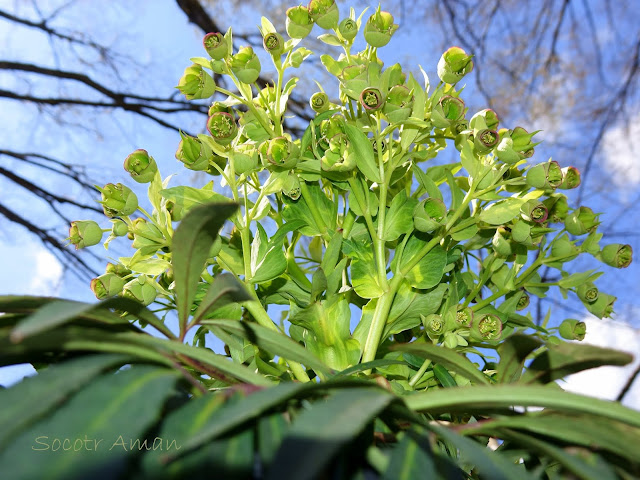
(358,212)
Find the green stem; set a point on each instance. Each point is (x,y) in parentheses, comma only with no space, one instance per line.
(380,250)
(419,373)
(279,113)
(492,298)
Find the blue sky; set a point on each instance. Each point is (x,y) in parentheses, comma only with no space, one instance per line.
(102,140)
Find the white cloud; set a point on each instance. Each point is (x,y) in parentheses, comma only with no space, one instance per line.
(621,148)
(607,382)
(48,274)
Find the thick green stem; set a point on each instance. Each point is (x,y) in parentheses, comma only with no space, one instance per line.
(414,380)
(380,250)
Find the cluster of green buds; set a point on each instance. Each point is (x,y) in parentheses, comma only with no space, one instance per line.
(279,152)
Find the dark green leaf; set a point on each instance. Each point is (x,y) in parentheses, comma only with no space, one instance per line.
(412,458)
(513,352)
(191,244)
(224,290)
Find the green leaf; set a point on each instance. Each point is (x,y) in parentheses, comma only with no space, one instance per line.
(364,273)
(427,183)
(330,39)
(365,159)
(318,284)
(189,197)
(190,248)
(469,162)
(320,432)
(299,210)
(429,270)
(577,279)
(450,359)
(561,360)
(27,401)
(399,217)
(488,464)
(412,458)
(271,341)
(483,398)
(267,257)
(409,134)
(409,303)
(367,366)
(443,376)
(224,290)
(111,412)
(513,353)
(271,432)
(502,211)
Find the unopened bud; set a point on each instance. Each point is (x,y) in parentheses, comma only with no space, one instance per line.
(84,233)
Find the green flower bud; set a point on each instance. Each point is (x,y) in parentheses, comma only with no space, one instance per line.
(371,99)
(118,200)
(506,153)
(603,306)
(521,233)
(348,29)
(587,292)
(339,156)
(522,142)
(428,214)
(617,255)
(299,22)
(448,111)
(582,220)
(571,329)
(534,211)
(223,127)
(523,301)
(297,56)
(483,120)
(291,187)
(319,102)
(120,228)
(281,152)
(545,175)
(434,325)
(146,234)
(379,28)
(194,154)
(488,327)
(558,207)
(176,212)
(485,140)
(245,65)
(273,43)
(141,166)
(325,13)
(217,45)
(84,233)
(195,83)
(245,160)
(564,248)
(500,242)
(107,285)
(570,178)
(141,290)
(453,65)
(219,107)
(399,104)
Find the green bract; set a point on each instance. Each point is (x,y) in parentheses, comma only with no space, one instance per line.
(196,83)
(379,29)
(216,45)
(453,65)
(324,13)
(245,65)
(118,200)
(141,166)
(84,233)
(299,22)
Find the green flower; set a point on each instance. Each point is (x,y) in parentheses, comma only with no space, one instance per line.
(107,285)
(348,29)
(453,65)
(120,228)
(281,152)
(194,154)
(245,65)
(582,220)
(291,187)
(429,214)
(545,176)
(195,83)
(399,104)
(299,22)
(141,166)
(216,45)
(485,140)
(617,255)
(464,317)
(371,99)
(434,326)
(84,233)
(118,200)
(570,178)
(379,29)
(603,306)
(140,289)
(571,329)
(118,269)
(325,13)
(587,292)
(534,211)
(245,159)
(340,156)
(564,248)
(523,301)
(223,127)
(273,43)
(319,102)
(448,111)
(501,243)
(483,120)
(488,327)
